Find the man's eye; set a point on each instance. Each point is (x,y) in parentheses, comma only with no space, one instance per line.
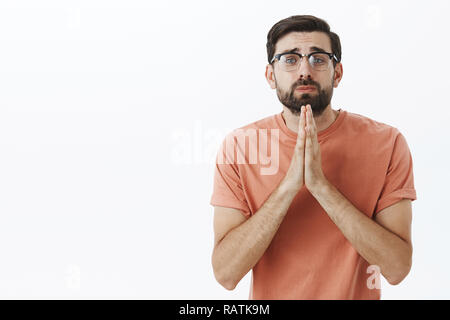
(319,59)
(290,59)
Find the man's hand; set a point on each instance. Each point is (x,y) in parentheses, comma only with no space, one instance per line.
(314,176)
(306,163)
(295,173)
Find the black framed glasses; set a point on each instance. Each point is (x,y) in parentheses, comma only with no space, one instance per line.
(318,60)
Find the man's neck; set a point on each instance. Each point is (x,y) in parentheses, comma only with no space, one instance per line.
(323,121)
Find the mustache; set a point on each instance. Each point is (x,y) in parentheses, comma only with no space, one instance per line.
(305,83)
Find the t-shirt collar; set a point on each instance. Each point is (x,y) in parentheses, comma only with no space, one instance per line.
(321,134)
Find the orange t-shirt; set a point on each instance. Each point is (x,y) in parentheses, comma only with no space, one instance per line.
(309,258)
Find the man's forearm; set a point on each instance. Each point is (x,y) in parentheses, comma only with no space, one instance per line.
(374,243)
(243,246)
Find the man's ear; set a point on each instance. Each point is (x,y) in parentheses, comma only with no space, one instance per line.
(338,73)
(270,76)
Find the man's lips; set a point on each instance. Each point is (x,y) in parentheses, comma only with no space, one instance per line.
(305,88)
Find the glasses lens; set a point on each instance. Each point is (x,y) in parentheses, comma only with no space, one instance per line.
(319,61)
(289,62)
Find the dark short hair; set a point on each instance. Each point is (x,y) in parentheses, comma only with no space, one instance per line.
(301,23)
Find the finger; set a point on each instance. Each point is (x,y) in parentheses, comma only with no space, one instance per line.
(301,126)
(307,131)
(311,121)
(308,121)
(311,138)
(312,130)
(302,120)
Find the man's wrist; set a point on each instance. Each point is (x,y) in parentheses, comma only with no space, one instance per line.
(289,188)
(319,187)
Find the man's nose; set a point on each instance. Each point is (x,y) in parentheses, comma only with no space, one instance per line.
(304,69)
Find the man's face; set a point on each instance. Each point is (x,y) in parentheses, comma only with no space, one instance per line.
(288,83)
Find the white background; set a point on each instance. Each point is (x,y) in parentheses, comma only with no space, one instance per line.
(111,113)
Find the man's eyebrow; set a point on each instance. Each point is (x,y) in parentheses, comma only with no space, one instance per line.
(312,49)
(290,50)
(317,49)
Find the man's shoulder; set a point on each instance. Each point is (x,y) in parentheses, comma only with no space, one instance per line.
(364,125)
(268,122)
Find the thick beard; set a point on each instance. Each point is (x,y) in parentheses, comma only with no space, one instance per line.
(318,101)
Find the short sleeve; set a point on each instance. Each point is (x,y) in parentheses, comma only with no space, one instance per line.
(399,181)
(228,190)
